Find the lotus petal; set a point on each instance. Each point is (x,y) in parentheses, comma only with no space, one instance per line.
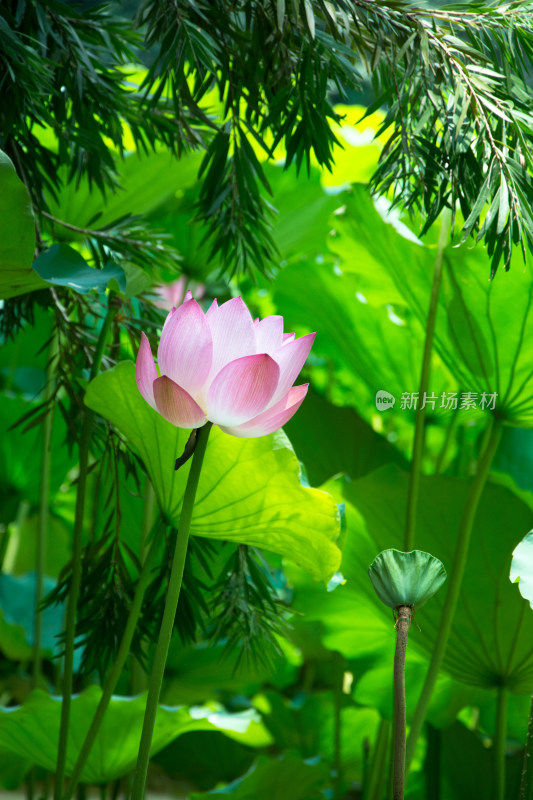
(233,333)
(242,389)
(291,358)
(185,349)
(145,371)
(176,405)
(269,334)
(273,418)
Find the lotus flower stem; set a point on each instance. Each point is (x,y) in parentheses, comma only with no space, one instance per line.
(338,668)
(169,614)
(44,492)
(418,443)
(526,779)
(116,670)
(500,738)
(75,585)
(377,772)
(454,584)
(403,622)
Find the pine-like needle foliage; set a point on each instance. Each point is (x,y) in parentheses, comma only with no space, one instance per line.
(454,83)
(248,616)
(237,78)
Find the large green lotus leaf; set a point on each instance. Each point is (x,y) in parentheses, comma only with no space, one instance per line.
(372,348)
(205,758)
(330,440)
(478,653)
(484,329)
(515,456)
(32,730)
(249,490)
(302,223)
(17,234)
(146,182)
(467,766)
(375,690)
(351,620)
(274,779)
(13,770)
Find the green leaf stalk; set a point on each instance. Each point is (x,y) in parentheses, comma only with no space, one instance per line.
(454,584)
(75,586)
(169,614)
(418,443)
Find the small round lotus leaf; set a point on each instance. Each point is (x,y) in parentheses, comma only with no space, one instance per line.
(406,578)
(522,567)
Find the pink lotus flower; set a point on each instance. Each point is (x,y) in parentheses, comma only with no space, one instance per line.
(223,367)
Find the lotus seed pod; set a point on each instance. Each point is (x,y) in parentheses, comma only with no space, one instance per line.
(406,578)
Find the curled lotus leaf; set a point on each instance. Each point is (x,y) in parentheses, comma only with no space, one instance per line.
(522,567)
(406,578)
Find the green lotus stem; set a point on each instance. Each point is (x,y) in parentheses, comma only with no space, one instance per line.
(137,674)
(42,530)
(500,738)
(337,723)
(116,670)
(526,779)
(400,712)
(450,434)
(378,763)
(454,584)
(75,585)
(169,614)
(418,443)
(432,762)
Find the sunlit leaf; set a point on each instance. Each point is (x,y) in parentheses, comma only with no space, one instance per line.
(484,329)
(146,181)
(17,234)
(32,730)
(249,490)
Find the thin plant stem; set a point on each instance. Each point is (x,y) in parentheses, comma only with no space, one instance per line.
(500,739)
(418,443)
(138,675)
(432,763)
(337,723)
(526,779)
(378,763)
(75,585)
(169,614)
(116,670)
(454,584)
(450,434)
(149,507)
(400,712)
(42,530)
